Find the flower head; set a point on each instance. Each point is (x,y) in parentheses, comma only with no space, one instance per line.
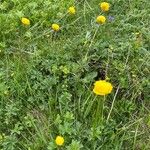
(72,10)
(104,6)
(55,27)
(59,140)
(102,87)
(101,19)
(25,21)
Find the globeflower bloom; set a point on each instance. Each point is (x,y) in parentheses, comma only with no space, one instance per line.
(72,10)
(25,21)
(59,140)
(101,19)
(102,87)
(55,27)
(104,6)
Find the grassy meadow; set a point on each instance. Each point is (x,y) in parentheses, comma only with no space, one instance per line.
(47,77)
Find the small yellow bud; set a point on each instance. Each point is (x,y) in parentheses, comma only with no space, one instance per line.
(59,140)
(72,10)
(25,21)
(104,6)
(101,19)
(55,27)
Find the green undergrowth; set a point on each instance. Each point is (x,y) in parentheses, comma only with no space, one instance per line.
(46,77)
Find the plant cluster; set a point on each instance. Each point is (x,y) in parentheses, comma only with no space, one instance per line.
(74,75)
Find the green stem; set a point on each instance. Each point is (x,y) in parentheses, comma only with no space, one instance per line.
(99,112)
(98,119)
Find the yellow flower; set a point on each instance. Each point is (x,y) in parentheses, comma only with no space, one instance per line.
(59,140)
(25,21)
(72,10)
(55,27)
(104,6)
(101,19)
(102,87)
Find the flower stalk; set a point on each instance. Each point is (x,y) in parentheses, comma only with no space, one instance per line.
(99,111)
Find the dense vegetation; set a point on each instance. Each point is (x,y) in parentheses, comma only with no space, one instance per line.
(47,77)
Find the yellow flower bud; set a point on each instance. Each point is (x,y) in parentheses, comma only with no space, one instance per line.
(55,27)
(25,21)
(59,140)
(104,6)
(72,10)
(101,19)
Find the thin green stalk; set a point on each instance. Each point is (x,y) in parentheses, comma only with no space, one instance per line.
(89,106)
(99,112)
(113,103)
(91,42)
(98,119)
(135,137)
